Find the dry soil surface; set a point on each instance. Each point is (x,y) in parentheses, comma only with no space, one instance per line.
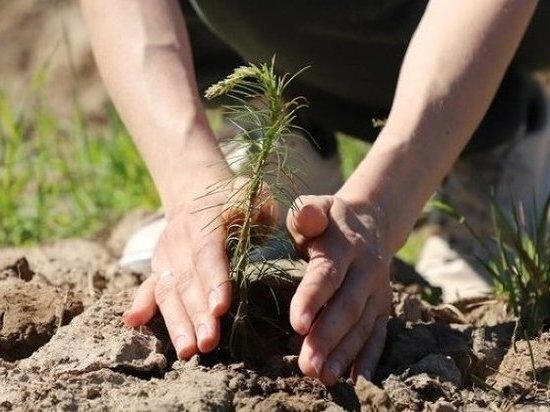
(63,347)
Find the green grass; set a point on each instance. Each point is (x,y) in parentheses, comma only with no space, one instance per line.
(518,259)
(61,178)
(520,266)
(352,151)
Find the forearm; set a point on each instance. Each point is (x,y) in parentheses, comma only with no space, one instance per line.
(449,76)
(143,52)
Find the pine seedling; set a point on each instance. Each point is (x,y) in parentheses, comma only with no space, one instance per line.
(264,119)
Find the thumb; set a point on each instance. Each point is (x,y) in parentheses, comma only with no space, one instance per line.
(310,220)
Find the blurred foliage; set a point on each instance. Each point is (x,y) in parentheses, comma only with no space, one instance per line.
(61,177)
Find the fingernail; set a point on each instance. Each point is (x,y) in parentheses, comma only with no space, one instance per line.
(180,344)
(335,368)
(202,332)
(125,318)
(317,362)
(213,299)
(367,374)
(306,320)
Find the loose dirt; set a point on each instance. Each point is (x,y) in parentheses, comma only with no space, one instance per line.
(63,346)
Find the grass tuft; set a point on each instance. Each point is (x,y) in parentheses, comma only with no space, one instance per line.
(61,178)
(518,260)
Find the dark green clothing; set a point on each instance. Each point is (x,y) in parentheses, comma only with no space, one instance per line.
(354,50)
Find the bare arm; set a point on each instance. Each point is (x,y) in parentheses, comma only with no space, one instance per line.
(143,52)
(451,71)
(450,74)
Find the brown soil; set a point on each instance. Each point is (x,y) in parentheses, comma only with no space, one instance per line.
(63,347)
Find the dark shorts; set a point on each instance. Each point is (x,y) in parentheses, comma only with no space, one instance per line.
(354,50)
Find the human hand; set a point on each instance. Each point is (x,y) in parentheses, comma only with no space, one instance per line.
(343,302)
(189,282)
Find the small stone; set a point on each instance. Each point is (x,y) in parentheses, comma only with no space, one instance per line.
(441,406)
(430,389)
(438,365)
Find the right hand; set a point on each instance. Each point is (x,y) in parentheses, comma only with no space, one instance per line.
(193,249)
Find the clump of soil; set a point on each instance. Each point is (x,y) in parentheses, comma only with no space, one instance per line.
(31,313)
(63,347)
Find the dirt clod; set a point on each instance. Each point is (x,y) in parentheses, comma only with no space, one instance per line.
(30,314)
(97,340)
(489,345)
(20,270)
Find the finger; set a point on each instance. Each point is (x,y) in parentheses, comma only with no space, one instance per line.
(175,317)
(205,325)
(346,351)
(265,209)
(367,360)
(191,294)
(212,268)
(326,269)
(343,314)
(323,276)
(143,306)
(309,218)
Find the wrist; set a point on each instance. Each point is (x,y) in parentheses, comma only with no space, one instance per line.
(192,186)
(189,170)
(380,187)
(373,214)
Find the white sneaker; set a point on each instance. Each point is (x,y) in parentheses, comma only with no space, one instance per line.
(138,251)
(518,173)
(319,176)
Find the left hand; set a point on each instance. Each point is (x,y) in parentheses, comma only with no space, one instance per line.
(343,302)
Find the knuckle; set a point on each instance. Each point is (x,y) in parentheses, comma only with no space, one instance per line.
(183,281)
(199,316)
(323,343)
(364,330)
(329,273)
(162,292)
(355,239)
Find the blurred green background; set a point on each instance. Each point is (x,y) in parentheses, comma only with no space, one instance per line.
(68,167)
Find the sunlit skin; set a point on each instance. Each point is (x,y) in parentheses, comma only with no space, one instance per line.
(451,71)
